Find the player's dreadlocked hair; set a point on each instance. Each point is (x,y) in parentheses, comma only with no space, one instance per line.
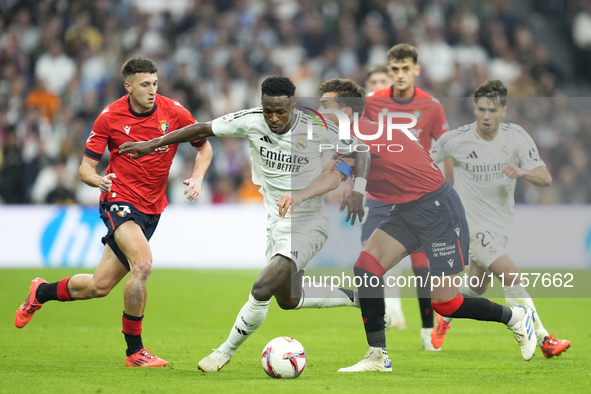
(349,93)
(493,89)
(278,86)
(138,65)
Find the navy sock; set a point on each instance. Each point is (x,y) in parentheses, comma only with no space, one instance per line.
(47,292)
(371,298)
(424,297)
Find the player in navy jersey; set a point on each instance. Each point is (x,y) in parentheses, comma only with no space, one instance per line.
(132,199)
(428,213)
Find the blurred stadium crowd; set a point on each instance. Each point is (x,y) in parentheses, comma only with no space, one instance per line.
(60,65)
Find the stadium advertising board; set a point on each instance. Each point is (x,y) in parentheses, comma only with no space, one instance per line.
(544,236)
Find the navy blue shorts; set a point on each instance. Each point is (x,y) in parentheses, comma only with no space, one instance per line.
(115,214)
(377,212)
(436,221)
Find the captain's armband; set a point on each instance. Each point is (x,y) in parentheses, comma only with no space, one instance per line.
(343,168)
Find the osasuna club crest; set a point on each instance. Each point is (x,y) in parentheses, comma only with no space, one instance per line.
(164,126)
(418,113)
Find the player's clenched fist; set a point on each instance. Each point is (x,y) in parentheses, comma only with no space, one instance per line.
(106,182)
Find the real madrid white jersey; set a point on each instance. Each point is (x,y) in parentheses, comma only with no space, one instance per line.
(281,163)
(486,192)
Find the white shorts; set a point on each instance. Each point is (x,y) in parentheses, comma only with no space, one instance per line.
(296,240)
(486,246)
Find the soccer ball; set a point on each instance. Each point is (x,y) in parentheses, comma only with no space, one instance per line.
(284,357)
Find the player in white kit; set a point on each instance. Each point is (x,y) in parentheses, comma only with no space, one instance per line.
(488,156)
(283,160)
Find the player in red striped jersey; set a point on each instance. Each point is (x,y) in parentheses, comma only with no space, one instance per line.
(133,195)
(404,97)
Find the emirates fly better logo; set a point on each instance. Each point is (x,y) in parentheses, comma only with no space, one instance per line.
(345,130)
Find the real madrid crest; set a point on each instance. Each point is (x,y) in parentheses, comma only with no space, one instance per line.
(164,126)
(301,144)
(505,150)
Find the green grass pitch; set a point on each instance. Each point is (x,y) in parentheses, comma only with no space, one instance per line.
(78,347)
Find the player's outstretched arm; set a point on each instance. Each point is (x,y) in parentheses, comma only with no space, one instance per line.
(202,161)
(539,176)
(192,132)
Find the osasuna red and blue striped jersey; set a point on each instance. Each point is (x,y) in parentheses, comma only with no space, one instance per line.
(141,182)
(401,170)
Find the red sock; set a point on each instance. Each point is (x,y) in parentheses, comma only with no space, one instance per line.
(63,294)
(369,263)
(132,325)
(448,308)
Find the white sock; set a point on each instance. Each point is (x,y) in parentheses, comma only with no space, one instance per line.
(375,351)
(426,332)
(319,295)
(250,318)
(516,317)
(517,295)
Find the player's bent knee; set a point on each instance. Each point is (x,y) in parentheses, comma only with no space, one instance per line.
(142,268)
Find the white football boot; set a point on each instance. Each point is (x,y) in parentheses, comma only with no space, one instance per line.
(215,361)
(523,331)
(427,342)
(376,359)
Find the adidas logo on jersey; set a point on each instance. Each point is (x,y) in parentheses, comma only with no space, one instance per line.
(266,139)
(472,155)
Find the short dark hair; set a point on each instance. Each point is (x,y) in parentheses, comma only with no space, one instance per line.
(494,90)
(376,68)
(138,65)
(278,86)
(403,51)
(349,93)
